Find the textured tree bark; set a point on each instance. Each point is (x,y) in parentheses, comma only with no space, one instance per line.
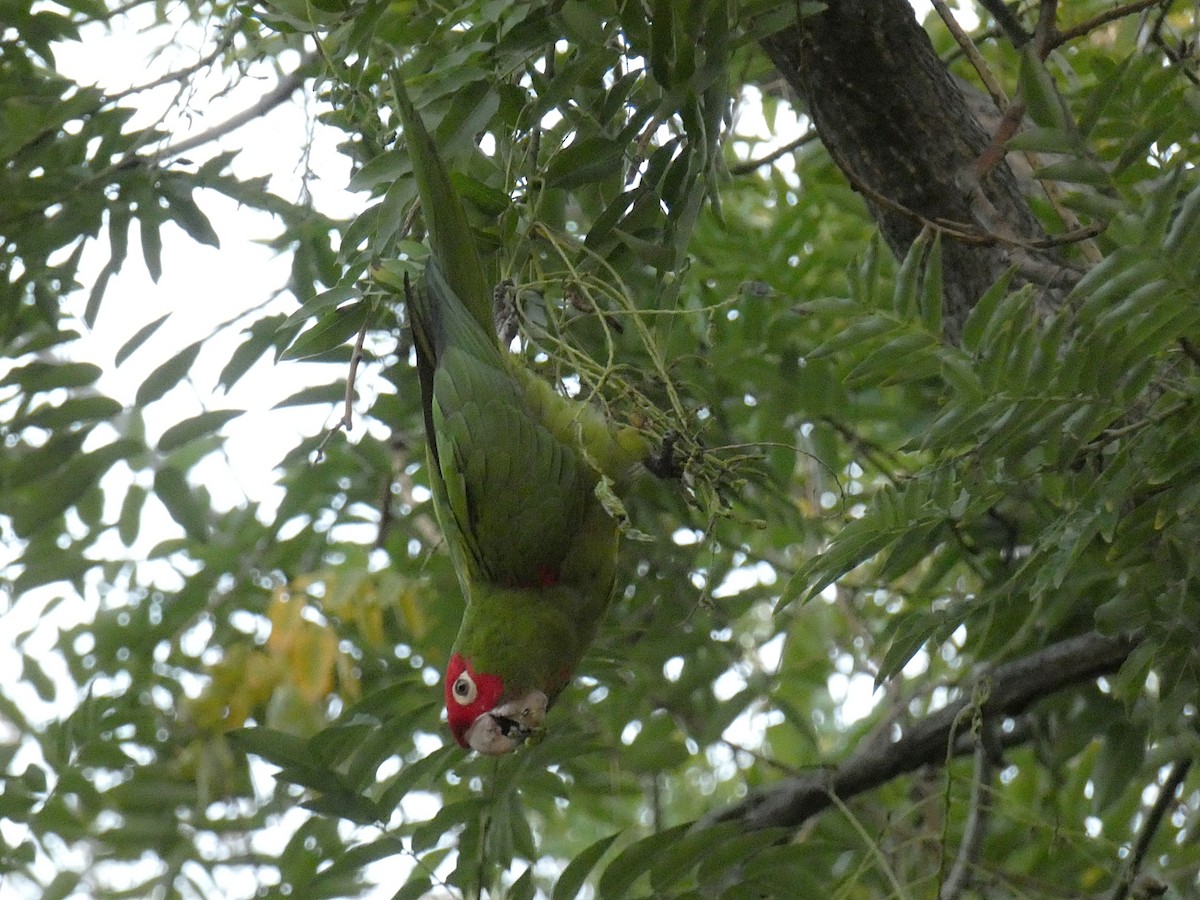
(893,119)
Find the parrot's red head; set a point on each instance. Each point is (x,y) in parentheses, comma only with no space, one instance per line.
(480,716)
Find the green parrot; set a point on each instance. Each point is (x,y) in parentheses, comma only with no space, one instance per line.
(514,467)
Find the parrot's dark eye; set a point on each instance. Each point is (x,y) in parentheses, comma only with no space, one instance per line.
(464,689)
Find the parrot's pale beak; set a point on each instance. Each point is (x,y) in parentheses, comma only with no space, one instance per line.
(506,726)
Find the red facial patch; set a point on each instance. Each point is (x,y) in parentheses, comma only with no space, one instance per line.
(488,690)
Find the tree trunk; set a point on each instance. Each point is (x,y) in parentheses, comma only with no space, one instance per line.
(894,120)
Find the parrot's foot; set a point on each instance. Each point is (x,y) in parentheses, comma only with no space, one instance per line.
(666,462)
(504,312)
(507,726)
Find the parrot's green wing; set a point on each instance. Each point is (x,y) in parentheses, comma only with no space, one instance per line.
(514,493)
(517,463)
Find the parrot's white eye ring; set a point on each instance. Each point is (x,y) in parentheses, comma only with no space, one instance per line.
(465,690)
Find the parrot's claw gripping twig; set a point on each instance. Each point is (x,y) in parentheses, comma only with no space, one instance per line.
(504,310)
(665,462)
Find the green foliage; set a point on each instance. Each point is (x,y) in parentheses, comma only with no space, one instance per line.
(250,695)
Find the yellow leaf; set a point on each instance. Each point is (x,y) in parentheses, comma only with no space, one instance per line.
(311,660)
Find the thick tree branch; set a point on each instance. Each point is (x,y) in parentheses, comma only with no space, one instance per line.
(895,121)
(1009,688)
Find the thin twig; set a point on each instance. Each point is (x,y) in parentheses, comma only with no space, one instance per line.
(182,74)
(977,61)
(1177,58)
(346,422)
(970,234)
(1046,30)
(287,86)
(978,815)
(750,165)
(1154,818)
(1117,12)
(1010,123)
(355,359)
(121,10)
(1008,22)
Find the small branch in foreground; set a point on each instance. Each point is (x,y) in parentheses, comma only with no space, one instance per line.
(999,97)
(1013,687)
(1158,812)
(978,815)
(346,422)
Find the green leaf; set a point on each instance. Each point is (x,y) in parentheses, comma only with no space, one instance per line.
(79,473)
(676,861)
(119,219)
(320,394)
(522,888)
(855,336)
(1182,237)
(634,861)
(1075,171)
(1046,140)
(187,215)
(45,376)
(488,200)
(903,358)
(46,569)
(202,425)
(1040,93)
(69,412)
(906,633)
(931,289)
(167,375)
(257,340)
(905,292)
(148,226)
(62,886)
(587,159)
(332,330)
(383,169)
(143,334)
(1122,754)
(738,851)
(276,747)
(130,518)
(335,296)
(172,488)
(577,870)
